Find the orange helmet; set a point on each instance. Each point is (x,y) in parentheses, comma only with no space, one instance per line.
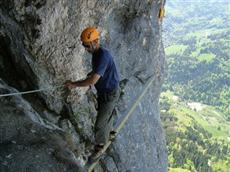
(89,34)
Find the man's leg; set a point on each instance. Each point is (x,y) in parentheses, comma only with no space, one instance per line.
(104,122)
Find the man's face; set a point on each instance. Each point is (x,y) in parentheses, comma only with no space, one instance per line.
(88,47)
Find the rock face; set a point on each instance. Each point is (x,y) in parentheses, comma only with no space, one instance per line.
(40,48)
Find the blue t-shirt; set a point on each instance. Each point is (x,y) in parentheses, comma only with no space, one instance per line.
(103,65)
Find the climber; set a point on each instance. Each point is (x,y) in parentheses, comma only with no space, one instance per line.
(104,77)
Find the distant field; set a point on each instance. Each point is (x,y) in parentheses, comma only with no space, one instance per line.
(209,118)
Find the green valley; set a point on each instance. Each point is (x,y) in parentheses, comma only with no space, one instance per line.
(195,102)
(197,51)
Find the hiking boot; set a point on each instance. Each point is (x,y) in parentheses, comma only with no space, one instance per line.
(96,154)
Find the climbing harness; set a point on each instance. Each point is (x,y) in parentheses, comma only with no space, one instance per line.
(121,125)
(32,91)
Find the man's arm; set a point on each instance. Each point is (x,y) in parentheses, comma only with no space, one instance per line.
(91,80)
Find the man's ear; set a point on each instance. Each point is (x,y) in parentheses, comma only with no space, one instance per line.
(94,45)
(96,41)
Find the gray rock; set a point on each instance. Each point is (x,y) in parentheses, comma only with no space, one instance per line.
(40,48)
